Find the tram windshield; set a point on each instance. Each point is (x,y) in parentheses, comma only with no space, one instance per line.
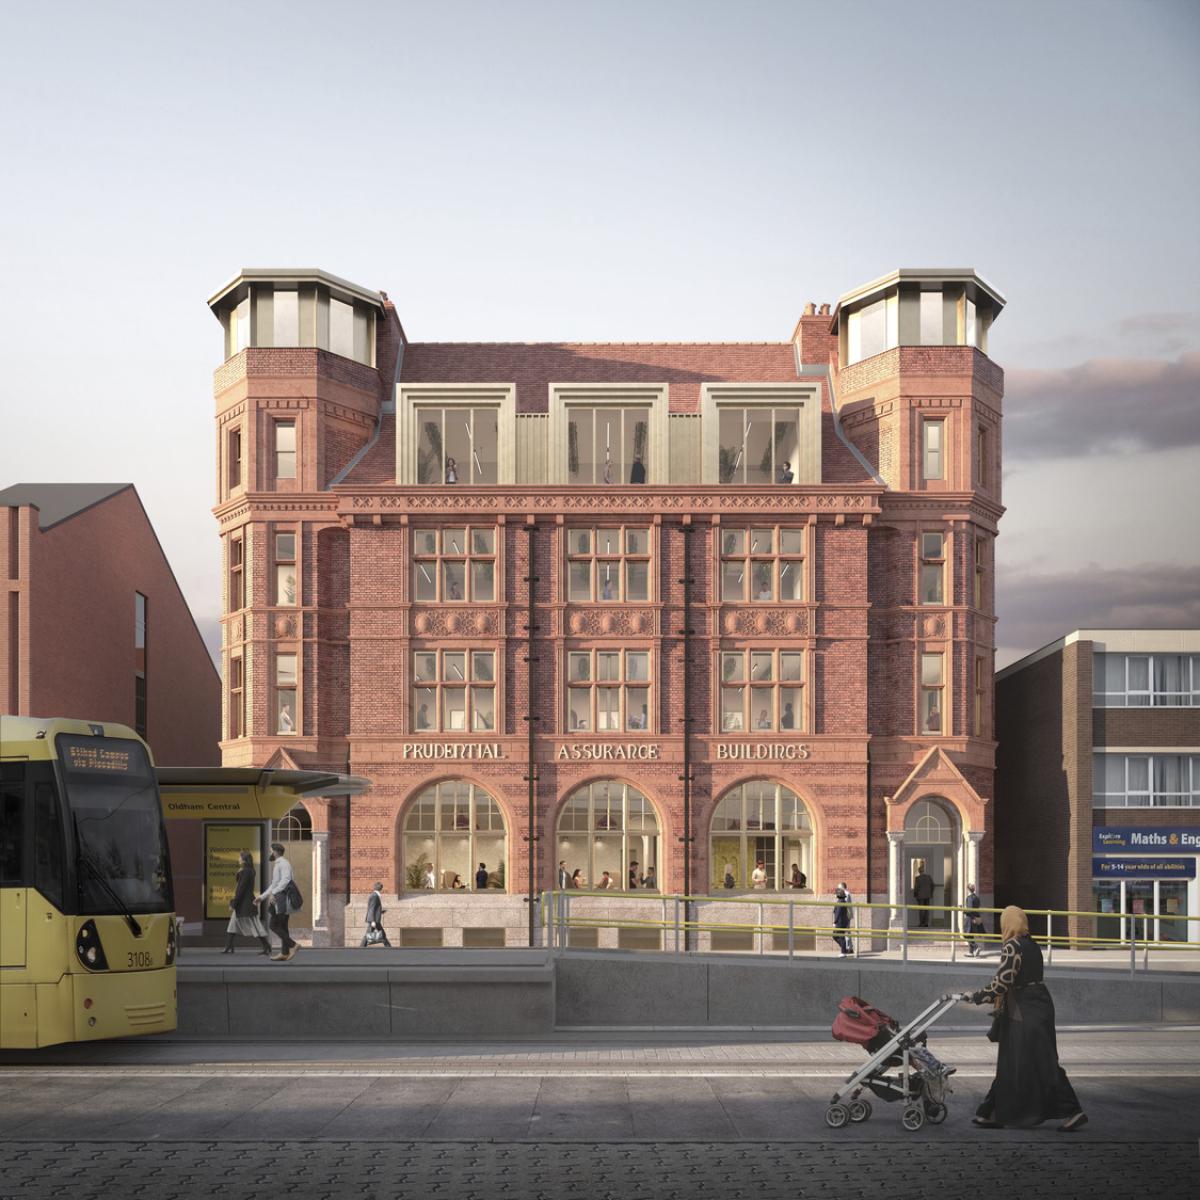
(114,809)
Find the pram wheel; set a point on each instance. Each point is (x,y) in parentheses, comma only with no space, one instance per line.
(913,1118)
(860,1110)
(836,1115)
(935,1113)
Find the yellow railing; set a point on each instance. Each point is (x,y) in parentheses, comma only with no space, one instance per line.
(679,917)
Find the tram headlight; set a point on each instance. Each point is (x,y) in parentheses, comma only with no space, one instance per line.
(88,949)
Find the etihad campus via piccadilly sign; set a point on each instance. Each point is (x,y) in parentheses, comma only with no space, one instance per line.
(605,751)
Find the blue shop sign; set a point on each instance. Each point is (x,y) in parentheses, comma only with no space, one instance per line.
(1143,868)
(1153,839)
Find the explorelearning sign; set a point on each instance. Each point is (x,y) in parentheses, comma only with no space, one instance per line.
(1152,838)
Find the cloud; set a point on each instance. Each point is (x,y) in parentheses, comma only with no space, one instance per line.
(1102,406)
(1036,609)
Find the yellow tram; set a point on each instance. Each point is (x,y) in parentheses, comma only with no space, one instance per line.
(87,913)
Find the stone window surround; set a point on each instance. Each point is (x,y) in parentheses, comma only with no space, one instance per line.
(410,398)
(804,396)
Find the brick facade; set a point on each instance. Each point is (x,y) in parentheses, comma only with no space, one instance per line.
(865,762)
(67,634)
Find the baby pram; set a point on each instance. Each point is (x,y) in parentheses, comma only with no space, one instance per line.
(899,1065)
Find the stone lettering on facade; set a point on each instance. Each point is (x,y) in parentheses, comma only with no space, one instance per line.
(454,751)
(770,751)
(607,751)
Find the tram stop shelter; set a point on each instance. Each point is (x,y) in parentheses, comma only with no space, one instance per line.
(214,813)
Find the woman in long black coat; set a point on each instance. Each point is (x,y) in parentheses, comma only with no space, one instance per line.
(1030,1086)
(244,918)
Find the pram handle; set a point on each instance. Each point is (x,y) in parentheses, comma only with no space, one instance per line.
(957,997)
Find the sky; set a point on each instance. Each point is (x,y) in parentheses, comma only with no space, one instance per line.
(624,171)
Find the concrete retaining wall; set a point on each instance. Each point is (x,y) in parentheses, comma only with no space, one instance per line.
(366,1002)
(441,999)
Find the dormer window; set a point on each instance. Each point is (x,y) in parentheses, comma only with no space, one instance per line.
(457,444)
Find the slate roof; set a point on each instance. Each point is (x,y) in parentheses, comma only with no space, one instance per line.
(58,502)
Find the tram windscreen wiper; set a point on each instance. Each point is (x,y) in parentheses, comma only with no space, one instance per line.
(84,860)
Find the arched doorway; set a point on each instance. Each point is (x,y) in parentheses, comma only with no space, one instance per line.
(610,827)
(933,840)
(755,822)
(294,830)
(452,831)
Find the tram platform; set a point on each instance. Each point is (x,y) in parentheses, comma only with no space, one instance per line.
(409,994)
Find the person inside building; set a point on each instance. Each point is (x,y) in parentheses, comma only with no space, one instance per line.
(451,471)
(481,877)
(923,894)
(764,719)
(456,884)
(563,875)
(637,473)
(430,878)
(606,591)
(730,882)
(785,473)
(576,880)
(650,879)
(606,882)
(634,876)
(758,877)
(933,722)
(423,716)
(1030,1085)
(787,719)
(798,879)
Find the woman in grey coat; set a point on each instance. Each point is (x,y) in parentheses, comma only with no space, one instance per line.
(245,919)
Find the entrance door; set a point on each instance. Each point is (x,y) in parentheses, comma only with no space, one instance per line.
(1139,903)
(932,837)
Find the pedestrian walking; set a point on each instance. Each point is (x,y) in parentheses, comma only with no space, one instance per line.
(374,934)
(281,892)
(243,917)
(922,894)
(841,920)
(974,921)
(1030,1085)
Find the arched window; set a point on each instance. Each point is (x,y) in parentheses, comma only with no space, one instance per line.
(452,833)
(760,822)
(610,829)
(927,824)
(294,826)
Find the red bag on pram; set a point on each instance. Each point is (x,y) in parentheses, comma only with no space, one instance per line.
(862,1023)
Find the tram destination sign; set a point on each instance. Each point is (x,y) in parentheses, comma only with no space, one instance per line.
(1151,839)
(1144,868)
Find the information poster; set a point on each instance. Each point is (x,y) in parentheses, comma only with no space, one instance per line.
(222,846)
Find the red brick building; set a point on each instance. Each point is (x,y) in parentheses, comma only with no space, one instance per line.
(696,607)
(93,625)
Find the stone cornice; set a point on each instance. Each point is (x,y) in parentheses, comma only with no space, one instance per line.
(553,501)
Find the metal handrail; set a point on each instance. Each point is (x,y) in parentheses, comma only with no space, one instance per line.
(558,920)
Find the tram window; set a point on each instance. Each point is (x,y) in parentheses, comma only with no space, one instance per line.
(12,824)
(47,843)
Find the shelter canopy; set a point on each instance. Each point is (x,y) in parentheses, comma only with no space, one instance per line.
(246,793)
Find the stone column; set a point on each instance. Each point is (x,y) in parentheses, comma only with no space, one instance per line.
(895,871)
(973,840)
(320,888)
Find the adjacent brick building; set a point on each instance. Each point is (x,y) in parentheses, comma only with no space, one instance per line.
(1098,780)
(94,625)
(683,606)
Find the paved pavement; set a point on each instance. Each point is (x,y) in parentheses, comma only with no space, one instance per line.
(693,1170)
(597,1115)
